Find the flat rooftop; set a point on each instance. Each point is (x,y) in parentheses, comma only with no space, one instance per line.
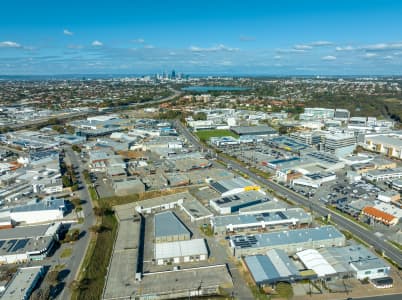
(170,282)
(285,237)
(22,280)
(180,249)
(223,186)
(386,140)
(267,217)
(240,198)
(168,224)
(253,130)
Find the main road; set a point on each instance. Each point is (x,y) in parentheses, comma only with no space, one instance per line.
(81,246)
(359,231)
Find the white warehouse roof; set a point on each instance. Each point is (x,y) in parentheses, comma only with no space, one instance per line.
(180,249)
(313,260)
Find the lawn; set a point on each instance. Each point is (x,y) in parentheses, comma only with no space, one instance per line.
(205,135)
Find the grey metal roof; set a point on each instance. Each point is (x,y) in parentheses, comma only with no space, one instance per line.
(167,224)
(45,204)
(273,267)
(286,237)
(357,255)
(297,214)
(253,130)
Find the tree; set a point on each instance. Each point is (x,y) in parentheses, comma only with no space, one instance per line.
(200,116)
(76,148)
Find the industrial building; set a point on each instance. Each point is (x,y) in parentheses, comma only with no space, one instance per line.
(340,144)
(161,203)
(313,260)
(27,243)
(314,180)
(385,144)
(23,283)
(271,268)
(356,260)
(180,251)
(230,204)
(47,210)
(260,130)
(169,228)
(314,113)
(291,241)
(195,210)
(385,174)
(233,186)
(292,217)
(128,186)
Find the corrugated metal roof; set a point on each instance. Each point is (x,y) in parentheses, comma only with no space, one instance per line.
(167,224)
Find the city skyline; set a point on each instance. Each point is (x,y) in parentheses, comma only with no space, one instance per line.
(262,38)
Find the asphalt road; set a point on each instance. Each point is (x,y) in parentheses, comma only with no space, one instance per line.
(79,247)
(361,232)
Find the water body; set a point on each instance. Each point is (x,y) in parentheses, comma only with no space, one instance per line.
(203,89)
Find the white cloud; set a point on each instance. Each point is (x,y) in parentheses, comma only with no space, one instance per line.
(328,57)
(9,44)
(149,46)
(97,43)
(139,41)
(370,55)
(219,47)
(321,44)
(389,57)
(383,46)
(345,48)
(67,32)
(309,46)
(277,57)
(302,47)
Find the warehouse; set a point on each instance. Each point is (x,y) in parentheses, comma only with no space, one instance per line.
(46,210)
(381,175)
(314,180)
(260,130)
(180,251)
(359,261)
(290,241)
(128,186)
(271,268)
(260,221)
(23,244)
(23,283)
(230,204)
(233,186)
(169,228)
(313,260)
(195,210)
(162,203)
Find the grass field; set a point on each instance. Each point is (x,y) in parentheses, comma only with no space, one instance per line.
(205,135)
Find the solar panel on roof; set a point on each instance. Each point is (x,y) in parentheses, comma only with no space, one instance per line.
(20,245)
(281,215)
(10,244)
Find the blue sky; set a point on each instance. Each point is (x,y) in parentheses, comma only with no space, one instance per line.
(201,37)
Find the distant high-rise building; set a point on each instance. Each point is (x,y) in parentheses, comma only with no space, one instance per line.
(173,76)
